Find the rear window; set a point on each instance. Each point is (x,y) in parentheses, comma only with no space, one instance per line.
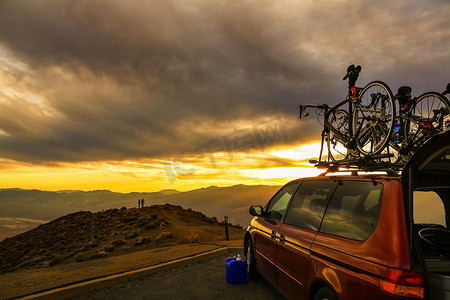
(354,210)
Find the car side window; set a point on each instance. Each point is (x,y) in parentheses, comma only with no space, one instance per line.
(276,208)
(354,210)
(309,203)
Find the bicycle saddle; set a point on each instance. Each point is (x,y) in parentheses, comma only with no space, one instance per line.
(352,71)
(447,90)
(404,96)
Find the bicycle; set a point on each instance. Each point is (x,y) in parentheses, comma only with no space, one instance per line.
(365,128)
(418,120)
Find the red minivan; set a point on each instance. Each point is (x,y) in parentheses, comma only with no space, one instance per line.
(383,235)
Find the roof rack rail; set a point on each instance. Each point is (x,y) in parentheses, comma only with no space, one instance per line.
(361,164)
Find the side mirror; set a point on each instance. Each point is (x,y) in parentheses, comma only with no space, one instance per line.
(256,210)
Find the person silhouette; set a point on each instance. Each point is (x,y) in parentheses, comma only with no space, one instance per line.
(139,203)
(142,202)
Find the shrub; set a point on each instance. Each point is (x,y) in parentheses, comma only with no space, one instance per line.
(141,241)
(111,211)
(89,245)
(81,258)
(194,239)
(116,243)
(238,226)
(165,235)
(212,220)
(108,249)
(142,221)
(132,235)
(99,254)
(70,254)
(56,260)
(151,226)
(163,223)
(37,259)
(128,219)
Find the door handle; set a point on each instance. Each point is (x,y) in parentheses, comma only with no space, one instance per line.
(273,235)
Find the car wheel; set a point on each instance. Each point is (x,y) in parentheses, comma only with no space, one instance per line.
(251,266)
(325,294)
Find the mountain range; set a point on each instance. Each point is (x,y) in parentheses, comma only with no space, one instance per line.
(22,210)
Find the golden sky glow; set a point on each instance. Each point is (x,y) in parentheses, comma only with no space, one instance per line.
(149,95)
(150,176)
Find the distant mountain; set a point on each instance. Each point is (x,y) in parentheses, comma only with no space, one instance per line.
(68,191)
(38,206)
(169,192)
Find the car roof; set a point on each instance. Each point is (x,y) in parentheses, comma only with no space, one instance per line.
(353,175)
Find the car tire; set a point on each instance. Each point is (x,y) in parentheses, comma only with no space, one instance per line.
(325,293)
(251,265)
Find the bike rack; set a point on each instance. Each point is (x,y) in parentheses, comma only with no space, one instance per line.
(399,139)
(360,164)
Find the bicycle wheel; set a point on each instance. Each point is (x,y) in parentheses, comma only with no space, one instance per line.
(373,118)
(336,149)
(429,115)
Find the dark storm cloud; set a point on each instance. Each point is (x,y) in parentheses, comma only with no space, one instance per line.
(129,79)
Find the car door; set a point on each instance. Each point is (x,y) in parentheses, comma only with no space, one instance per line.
(428,171)
(269,223)
(296,234)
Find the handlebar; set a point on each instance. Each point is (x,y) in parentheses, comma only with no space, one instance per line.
(303,108)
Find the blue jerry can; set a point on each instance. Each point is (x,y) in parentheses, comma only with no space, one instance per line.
(236,270)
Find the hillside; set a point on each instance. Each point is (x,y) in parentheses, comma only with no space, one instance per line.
(26,209)
(85,235)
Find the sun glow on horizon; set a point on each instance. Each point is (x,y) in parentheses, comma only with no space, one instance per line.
(274,166)
(300,152)
(282,173)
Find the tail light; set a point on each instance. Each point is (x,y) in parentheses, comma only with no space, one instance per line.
(403,283)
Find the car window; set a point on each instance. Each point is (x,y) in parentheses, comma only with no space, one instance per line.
(277,206)
(309,203)
(353,210)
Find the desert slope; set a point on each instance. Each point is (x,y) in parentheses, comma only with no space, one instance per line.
(26,209)
(85,236)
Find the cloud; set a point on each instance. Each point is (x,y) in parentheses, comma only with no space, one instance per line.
(102,80)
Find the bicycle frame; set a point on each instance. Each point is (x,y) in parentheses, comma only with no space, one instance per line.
(366,128)
(367,121)
(424,126)
(327,126)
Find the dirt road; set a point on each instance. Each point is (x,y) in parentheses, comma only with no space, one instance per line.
(201,280)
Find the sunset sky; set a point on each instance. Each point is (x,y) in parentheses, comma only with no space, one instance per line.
(151,95)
